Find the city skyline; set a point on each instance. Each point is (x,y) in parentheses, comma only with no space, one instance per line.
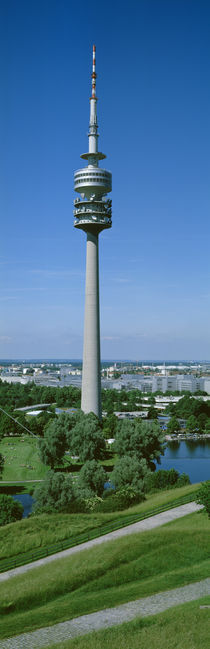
(153,62)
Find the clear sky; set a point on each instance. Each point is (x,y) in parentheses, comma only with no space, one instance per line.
(153,61)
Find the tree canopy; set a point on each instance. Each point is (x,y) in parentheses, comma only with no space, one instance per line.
(92,477)
(80,434)
(55,493)
(85,439)
(203,496)
(140,439)
(10,510)
(130,471)
(173,426)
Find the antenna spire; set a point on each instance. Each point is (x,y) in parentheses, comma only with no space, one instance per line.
(93,125)
(94,75)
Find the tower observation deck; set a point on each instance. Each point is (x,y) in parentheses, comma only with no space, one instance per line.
(92,213)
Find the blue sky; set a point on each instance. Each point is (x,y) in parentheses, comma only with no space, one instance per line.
(152,60)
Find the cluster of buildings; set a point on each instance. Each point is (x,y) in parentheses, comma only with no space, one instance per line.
(161,383)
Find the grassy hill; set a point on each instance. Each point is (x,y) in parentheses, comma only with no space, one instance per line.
(110,574)
(43,530)
(22,461)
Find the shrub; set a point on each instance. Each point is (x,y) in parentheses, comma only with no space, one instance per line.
(166,479)
(121,499)
(10,510)
(203,496)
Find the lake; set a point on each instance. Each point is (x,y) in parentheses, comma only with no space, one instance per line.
(27,501)
(191,457)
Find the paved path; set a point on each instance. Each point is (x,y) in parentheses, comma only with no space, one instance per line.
(141,526)
(108,617)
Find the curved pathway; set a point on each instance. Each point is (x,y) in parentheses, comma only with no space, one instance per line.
(108,617)
(141,526)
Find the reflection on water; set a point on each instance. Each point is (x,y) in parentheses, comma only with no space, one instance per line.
(188,457)
(27,501)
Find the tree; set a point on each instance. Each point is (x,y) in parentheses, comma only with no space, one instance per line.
(141,439)
(37,424)
(152,413)
(7,425)
(192,423)
(203,496)
(173,425)
(207,426)
(152,400)
(10,510)
(92,477)
(1,464)
(202,418)
(55,494)
(110,426)
(53,446)
(85,438)
(79,433)
(130,471)
(166,479)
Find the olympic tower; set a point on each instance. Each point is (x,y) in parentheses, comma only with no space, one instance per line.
(93,213)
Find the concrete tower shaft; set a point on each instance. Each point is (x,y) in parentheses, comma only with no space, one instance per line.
(93,213)
(91,372)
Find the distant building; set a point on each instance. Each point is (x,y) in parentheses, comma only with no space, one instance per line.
(161,383)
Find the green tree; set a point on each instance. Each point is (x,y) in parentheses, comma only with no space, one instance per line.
(53,446)
(166,479)
(152,413)
(10,510)
(92,477)
(37,424)
(110,426)
(202,418)
(203,496)
(55,494)
(130,471)
(191,424)
(152,400)
(140,439)
(7,425)
(207,426)
(173,426)
(1,464)
(85,439)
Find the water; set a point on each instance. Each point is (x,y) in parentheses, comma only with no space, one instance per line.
(188,457)
(27,501)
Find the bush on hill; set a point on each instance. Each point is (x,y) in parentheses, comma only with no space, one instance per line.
(118,500)
(10,510)
(166,480)
(203,496)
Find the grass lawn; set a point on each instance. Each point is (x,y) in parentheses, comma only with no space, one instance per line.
(21,459)
(43,530)
(110,574)
(183,627)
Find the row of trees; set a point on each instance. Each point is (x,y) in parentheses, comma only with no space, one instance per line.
(200,424)
(196,412)
(138,445)
(188,406)
(81,435)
